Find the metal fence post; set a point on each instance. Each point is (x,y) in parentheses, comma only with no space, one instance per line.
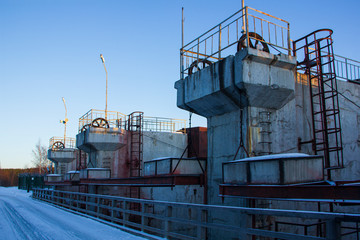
(202,217)
(245,223)
(125,214)
(112,210)
(144,221)
(219,42)
(98,207)
(346,68)
(247,26)
(333,230)
(168,214)
(288,39)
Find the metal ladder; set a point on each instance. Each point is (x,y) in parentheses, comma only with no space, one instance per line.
(265,132)
(318,65)
(135,122)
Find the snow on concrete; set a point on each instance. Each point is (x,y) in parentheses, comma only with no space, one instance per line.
(21,217)
(275,156)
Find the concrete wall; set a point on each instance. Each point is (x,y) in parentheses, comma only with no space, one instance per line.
(233,94)
(267,86)
(350,124)
(185,194)
(163,144)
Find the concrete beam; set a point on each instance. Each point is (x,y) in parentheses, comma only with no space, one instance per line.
(267,80)
(250,78)
(100,139)
(65,155)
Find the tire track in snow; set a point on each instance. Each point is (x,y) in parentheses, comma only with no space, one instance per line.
(53,229)
(21,228)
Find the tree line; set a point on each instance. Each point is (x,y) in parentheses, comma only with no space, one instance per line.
(9,177)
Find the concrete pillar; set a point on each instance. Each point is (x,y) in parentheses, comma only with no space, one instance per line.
(237,92)
(101,144)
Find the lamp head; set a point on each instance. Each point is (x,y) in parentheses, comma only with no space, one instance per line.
(102,58)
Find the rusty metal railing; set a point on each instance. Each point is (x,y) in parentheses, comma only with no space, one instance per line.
(176,220)
(119,120)
(347,69)
(114,119)
(221,40)
(158,124)
(68,142)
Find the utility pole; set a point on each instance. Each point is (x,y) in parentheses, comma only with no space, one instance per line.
(103,61)
(65,121)
(243,16)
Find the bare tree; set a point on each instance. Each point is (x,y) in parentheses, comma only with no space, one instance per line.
(40,157)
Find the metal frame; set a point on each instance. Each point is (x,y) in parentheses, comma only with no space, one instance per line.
(347,69)
(120,120)
(172,169)
(319,66)
(135,126)
(170,217)
(115,119)
(68,141)
(151,181)
(221,40)
(315,192)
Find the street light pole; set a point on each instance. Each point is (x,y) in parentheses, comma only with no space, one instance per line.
(243,16)
(65,121)
(103,61)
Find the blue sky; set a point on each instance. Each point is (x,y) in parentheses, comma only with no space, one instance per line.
(50,49)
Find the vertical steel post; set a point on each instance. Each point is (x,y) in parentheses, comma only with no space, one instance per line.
(243,17)
(288,39)
(219,42)
(346,68)
(112,210)
(247,27)
(333,230)
(168,215)
(143,219)
(103,61)
(65,121)
(182,46)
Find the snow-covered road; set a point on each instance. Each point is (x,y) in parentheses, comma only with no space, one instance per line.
(21,217)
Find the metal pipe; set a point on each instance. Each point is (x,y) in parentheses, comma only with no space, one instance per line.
(243,17)
(247,27)
(65,121)
(182,45)
(103,61)
(219,42)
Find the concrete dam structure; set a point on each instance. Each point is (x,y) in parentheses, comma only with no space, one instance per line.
(279,158)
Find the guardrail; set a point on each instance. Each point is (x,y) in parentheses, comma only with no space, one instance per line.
(221,40)
(347,69)
(159,124)
(114,119)
(67,141)
(196,221)
(120,120)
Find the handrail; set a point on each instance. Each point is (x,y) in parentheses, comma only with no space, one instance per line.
(160,124)
(313,33)
(221,40)
(119,120)
(170,219)
(346,68)
(68,141)
(115,119)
